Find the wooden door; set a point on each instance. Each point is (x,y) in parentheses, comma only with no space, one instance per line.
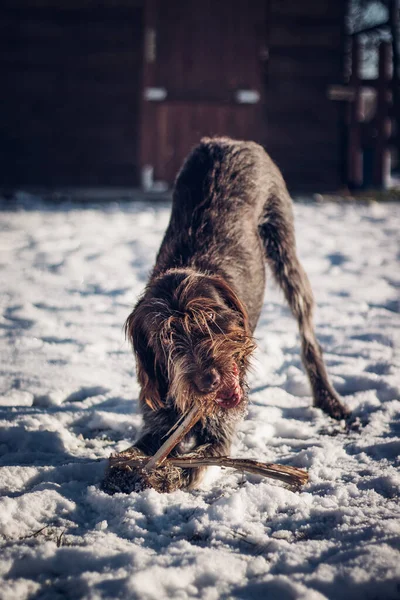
(203,76)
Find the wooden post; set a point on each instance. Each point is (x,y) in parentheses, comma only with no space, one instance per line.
(381,174)
(355,165)
(149,66)
(394,23)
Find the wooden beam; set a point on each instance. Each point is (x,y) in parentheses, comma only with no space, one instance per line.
(371,28)
(149,72)
(394,19)
(341,93)
(355,165)
(381,170)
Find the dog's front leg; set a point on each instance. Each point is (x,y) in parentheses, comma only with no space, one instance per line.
(209,443)
(191,477)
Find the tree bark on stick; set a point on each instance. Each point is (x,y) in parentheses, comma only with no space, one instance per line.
(286,474)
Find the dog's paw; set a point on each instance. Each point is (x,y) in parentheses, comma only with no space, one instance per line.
(331,404)
(354,424)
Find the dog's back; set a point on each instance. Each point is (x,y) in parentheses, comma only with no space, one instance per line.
(221,171)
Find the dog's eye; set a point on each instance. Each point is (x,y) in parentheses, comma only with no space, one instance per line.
(210,315)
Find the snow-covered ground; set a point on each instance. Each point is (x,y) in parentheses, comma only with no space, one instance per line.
(70,275)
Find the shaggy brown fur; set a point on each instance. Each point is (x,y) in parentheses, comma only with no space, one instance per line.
(192,329)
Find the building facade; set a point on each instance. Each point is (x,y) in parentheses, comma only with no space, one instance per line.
(109,93)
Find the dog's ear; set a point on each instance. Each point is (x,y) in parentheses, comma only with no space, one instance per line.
(147,371)
(231,299)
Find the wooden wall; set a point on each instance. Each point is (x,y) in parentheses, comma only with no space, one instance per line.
(73,77)
(70,92)
(304,127)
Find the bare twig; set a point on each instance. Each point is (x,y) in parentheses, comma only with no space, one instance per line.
(60,539)
(286,474)
(190,420)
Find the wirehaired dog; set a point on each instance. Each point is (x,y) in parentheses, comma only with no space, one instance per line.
(191,331)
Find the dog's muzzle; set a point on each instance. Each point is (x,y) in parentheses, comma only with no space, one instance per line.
(230,392)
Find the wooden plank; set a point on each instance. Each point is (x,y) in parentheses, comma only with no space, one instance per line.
(309,97)
(86,130)
(317,8)
(308,35)
(296,156)
(65,14)
(307,54)
(69,175)
(315,114)
(381,168)
(328,20)
(73,5)
(109,69)
(312,171)
(394,18)
(354,160)
(210,60)
(288,65)
(80,37)
(309,136)
(53,148)
(147,136)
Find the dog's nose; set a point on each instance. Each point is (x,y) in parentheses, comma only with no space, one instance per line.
(208,381)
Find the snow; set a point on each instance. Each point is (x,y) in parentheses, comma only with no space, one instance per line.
(70,275)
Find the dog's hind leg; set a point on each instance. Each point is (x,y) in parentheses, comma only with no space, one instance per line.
(277,233)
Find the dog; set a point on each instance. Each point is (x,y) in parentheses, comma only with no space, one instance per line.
(191,331)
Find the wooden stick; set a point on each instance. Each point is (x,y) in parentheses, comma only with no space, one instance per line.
(189,421)
(284,473)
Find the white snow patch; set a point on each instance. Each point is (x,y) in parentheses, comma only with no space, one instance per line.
(68,398)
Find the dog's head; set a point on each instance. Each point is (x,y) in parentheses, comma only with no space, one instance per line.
(191,339)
